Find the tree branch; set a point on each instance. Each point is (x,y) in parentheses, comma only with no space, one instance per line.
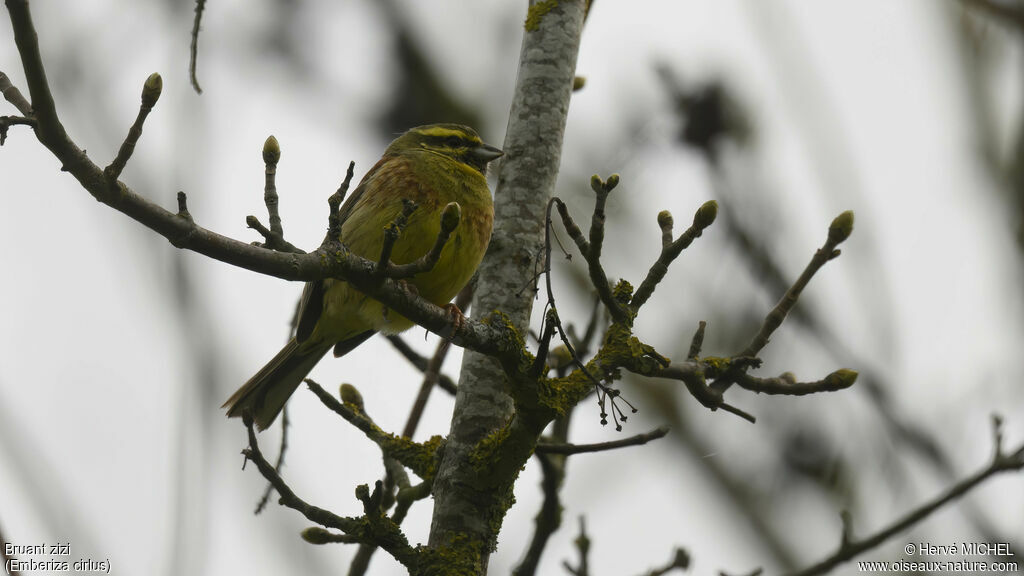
(368,529)
(569,449)
(850,547)
(13,95)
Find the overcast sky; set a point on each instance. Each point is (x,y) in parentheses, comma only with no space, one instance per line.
(105,440)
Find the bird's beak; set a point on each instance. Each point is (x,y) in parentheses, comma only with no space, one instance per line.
(486,153)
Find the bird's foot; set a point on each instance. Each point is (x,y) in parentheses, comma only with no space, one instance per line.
(458,319)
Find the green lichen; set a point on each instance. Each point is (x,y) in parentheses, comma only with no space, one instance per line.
(498,512)
(558,395)
(621,348)
(536,13)
(715,366)
(422,459)
(490,449)
(622,292)
(511,340)
(461,556)
(500,319)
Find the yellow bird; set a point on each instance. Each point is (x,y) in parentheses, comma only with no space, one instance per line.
(430,165)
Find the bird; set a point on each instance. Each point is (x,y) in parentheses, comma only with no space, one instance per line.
(431,165)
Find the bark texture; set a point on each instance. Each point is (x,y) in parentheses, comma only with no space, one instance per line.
(469,503)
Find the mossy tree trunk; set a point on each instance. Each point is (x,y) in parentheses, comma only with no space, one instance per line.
(470,501)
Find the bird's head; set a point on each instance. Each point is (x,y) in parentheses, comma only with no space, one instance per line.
(458,142)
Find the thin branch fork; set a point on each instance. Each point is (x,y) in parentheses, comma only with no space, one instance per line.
(150,94)
(351,413)
(13,95)
(551,318)
(671,249)
(386,536)
(274,236)
(395,480)
(450,218)
(7,121)
(590,252)
(839,230)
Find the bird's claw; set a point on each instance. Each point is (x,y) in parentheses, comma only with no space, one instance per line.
(458,319)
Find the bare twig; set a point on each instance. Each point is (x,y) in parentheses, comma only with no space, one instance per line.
(391,235)
(786,384)
(395,477)
(850,547)
(838,231)
(592,255)
(386,535)
(549,518)
(14,96)
(401,449)
(270,239)
(194,47)
(680,559)
(432,370)
(450,218)
(271,156)
(598,278)
(150,94)
(697,342)
(282,450)
(583,546)
(351,412)
(273,238)
(7,121)
(419,361)
(569,449)
(543,344)
(703,218)
(691,374)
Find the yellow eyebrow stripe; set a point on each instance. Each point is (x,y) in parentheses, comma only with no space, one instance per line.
(439,132)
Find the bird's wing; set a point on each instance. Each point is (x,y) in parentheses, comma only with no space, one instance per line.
(347,345)
(310,307)
(311,304)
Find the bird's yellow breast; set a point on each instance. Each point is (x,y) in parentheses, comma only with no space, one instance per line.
(432,181)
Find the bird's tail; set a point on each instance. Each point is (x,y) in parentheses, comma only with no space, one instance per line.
(266,393)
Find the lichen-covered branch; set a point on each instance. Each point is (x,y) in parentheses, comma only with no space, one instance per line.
(373,528)
(420,458)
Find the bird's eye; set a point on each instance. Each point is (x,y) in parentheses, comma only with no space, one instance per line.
(453,141)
